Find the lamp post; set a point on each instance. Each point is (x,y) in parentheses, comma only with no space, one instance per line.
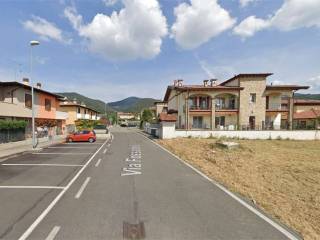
(32,44)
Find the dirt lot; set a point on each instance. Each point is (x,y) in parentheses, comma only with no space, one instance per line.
(282,177)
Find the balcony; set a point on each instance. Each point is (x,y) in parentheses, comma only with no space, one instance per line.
(61,115)
(199,108)
(80,116)
(226,107)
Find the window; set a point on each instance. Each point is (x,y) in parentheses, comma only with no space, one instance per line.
(79,110)
(47,104)
(220,103)
(1,95)
(85,111)
(253,97)
(28,100)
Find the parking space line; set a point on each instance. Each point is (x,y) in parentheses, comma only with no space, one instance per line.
(78,195)
(98,162)
(42,164)
(32,187)
(31,228)
(104,152)
(72,147)
(53,233)
(59,153)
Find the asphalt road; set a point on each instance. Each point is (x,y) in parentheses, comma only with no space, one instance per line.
(125,188)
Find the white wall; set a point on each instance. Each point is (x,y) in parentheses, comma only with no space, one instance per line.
(168,131)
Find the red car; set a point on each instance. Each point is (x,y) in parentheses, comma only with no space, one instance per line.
(82,136)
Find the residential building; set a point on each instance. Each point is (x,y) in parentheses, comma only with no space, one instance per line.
(125,116)
(243,102)
(77,111)
(16,104)
(306,114)
(161,107)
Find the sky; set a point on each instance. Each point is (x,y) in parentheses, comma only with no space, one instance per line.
(113,49)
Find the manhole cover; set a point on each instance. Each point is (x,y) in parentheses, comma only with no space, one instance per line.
(133,231)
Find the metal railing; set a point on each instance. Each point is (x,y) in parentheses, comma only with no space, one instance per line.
(12,135)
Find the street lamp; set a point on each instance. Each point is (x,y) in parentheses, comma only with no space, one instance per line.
(32,44)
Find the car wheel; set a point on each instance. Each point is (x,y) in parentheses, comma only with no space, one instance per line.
(70,140)
(91,140)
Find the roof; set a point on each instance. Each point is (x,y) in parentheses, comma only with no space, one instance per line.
(246,75)
(197,88)
(303,102)
(286,87)
(18,84)
(164,117)
(160,102)
(71,104)
(311,114)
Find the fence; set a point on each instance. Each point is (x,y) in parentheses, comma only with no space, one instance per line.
(12,135)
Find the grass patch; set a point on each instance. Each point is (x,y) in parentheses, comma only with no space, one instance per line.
(281,176)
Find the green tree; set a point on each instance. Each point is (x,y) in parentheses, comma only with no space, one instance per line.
(147,115)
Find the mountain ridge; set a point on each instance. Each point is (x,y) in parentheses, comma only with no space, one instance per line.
(130,104)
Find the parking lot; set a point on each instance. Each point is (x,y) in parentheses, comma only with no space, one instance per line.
(31,182)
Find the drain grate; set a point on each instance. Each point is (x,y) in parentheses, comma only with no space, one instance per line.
(133,231)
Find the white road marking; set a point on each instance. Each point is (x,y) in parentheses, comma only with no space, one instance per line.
(27,233)
(41,164)
(104,152)
(98,162)
(235,197)
(33,187)
(53,233)
(78,195)
(72,147)
(58,153)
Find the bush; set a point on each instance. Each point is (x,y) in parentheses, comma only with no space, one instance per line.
(14,124)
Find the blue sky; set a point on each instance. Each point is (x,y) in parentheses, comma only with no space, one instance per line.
(146,44)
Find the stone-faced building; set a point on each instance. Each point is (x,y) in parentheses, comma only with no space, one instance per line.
(243,102)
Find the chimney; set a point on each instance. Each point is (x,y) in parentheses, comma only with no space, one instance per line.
(213,82)
(38,85)
(175,82)
(75,100)
(205,83)
(25,81)
(180,81)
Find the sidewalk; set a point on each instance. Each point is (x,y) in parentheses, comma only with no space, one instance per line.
(7,149)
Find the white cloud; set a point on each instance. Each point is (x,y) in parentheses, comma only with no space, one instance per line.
(293,14)
(136,31)
(46,30)
(244,3)
(198,22)
(250,26)
(314,83)
(109,2)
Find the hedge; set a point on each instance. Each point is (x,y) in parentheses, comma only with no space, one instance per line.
(4,124)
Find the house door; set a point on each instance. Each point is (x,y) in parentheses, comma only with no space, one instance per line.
(197,122)
(252,122)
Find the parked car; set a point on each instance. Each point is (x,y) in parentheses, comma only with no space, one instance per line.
(82,136)
(100,129)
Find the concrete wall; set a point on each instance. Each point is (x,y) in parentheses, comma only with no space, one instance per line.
(275,134)
(168,131)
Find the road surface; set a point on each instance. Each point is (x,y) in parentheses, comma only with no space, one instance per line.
(125,188)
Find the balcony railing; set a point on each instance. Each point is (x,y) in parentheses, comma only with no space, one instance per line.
(203,107)
(226,107)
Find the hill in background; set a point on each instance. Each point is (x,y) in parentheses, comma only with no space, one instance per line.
(96,104)
(130,104)
(307,96)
